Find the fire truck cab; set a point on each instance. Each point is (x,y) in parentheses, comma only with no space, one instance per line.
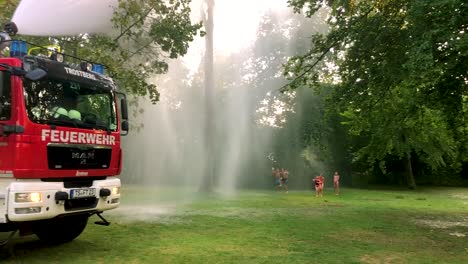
(60,129)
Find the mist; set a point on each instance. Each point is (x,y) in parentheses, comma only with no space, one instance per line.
(252,125)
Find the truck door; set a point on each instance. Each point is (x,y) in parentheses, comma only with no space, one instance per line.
(6,144)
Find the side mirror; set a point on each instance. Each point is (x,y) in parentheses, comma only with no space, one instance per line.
(36,74)
(124,125)
(124,110)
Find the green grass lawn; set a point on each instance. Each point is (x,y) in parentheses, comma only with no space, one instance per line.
(359,226)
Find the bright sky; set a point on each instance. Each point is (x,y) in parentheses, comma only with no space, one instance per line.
(235,25)
(236,22)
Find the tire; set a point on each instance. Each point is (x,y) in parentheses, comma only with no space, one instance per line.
(62,229)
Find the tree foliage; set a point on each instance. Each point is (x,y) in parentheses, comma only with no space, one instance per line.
(146,34)
(399,75)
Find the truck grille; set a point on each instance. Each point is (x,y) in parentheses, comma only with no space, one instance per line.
(66,157)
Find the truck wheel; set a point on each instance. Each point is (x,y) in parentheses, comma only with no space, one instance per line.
(61,230)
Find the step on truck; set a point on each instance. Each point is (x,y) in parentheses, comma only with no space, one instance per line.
(60,130)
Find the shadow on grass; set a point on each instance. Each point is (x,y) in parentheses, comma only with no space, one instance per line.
(29,249)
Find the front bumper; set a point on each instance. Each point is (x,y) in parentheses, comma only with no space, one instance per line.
(56,199)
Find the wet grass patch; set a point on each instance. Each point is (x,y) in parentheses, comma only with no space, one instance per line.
(358,226)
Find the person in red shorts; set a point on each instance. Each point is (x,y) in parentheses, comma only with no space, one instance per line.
(336,183)
(322,186)
(319,183)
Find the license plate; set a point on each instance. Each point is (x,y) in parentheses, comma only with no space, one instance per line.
(81,193)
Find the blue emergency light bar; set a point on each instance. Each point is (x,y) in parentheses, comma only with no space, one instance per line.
(18,49)
(98,68)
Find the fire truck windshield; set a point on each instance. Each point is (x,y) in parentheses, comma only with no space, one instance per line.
(67,103)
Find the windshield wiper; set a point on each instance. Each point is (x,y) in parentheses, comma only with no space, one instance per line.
(102,127)
(61,122)
(96,125)
(75,123)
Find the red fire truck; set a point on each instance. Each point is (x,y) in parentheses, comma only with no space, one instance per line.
(60,130)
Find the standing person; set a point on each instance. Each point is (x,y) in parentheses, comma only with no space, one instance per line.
(336,183)
(277,176)
(285,179)
(273,174)
(318,182)
(281,173)
(322,186)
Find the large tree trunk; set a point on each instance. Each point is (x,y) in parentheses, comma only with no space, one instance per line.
(207,183)
(409,173)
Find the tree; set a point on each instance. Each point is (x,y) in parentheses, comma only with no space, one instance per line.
(399,75)
(147,34)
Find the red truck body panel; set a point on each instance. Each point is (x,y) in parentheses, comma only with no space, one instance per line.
(25,155)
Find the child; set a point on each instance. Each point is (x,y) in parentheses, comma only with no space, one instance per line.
(277,176)
(336,183)
(285,179)
(319,182)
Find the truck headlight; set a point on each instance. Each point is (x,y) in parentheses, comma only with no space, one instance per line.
(33,197)
(115,190)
